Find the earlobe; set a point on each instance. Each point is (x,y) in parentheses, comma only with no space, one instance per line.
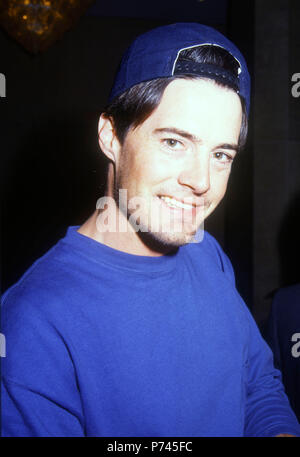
(108,140)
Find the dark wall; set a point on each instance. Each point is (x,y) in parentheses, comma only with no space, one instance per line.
(238,231)
(53,171)
(276,151)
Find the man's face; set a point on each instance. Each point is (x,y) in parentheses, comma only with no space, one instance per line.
(182,153)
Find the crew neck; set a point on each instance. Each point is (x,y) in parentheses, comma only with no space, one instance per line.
(101,253)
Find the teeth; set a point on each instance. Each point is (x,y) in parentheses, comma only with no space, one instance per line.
(175,203)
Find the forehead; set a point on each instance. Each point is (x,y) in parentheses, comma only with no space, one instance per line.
(200,107)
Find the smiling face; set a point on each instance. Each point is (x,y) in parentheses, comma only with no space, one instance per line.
(178,160)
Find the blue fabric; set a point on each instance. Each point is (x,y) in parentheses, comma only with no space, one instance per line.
(153,55)
(104,343)
(283,336)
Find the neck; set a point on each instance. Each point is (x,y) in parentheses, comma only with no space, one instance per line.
(117,232)
(125,240)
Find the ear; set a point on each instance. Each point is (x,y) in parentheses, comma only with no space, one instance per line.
(108,140)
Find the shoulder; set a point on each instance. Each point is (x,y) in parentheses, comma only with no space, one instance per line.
(290,294)
(209,250)
(42,289)
(286,304)
(37,316)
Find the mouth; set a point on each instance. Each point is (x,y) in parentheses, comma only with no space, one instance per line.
(172,202)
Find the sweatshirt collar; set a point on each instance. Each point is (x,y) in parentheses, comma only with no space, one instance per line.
(99,252)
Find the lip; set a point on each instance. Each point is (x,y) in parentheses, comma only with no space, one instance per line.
(184,201)
(187,214)
(188,219)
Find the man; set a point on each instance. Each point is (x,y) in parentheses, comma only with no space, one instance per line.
(283,336)
(131,325)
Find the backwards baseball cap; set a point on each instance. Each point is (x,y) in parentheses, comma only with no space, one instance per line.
(154,54)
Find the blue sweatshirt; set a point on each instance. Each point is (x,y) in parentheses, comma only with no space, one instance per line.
(104,343)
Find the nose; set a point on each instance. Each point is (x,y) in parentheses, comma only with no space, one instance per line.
(196,173)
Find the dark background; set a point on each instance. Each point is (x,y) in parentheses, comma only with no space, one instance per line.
(52,170)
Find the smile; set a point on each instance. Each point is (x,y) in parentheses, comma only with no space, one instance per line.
(173,203)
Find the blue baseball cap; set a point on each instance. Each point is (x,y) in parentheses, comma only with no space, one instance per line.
(154,54)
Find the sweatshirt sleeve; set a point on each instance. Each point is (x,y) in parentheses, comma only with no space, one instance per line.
(268,411)
(39,394)
(31,413)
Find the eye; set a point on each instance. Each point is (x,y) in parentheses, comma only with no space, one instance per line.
(223,157)
(172,143)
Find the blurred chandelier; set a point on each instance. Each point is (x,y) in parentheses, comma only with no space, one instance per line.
(37,24)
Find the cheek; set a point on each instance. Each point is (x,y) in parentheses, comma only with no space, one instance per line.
(137,171)
(129,167)
(219,183)
(152,169)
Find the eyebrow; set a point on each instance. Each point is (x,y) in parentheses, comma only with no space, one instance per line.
(179,132)
(196,139)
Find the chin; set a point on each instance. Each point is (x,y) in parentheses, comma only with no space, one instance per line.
(163,242)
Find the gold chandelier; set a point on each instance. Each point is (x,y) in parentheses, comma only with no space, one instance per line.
(37,24)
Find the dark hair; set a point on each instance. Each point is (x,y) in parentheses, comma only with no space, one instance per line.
(134,106)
